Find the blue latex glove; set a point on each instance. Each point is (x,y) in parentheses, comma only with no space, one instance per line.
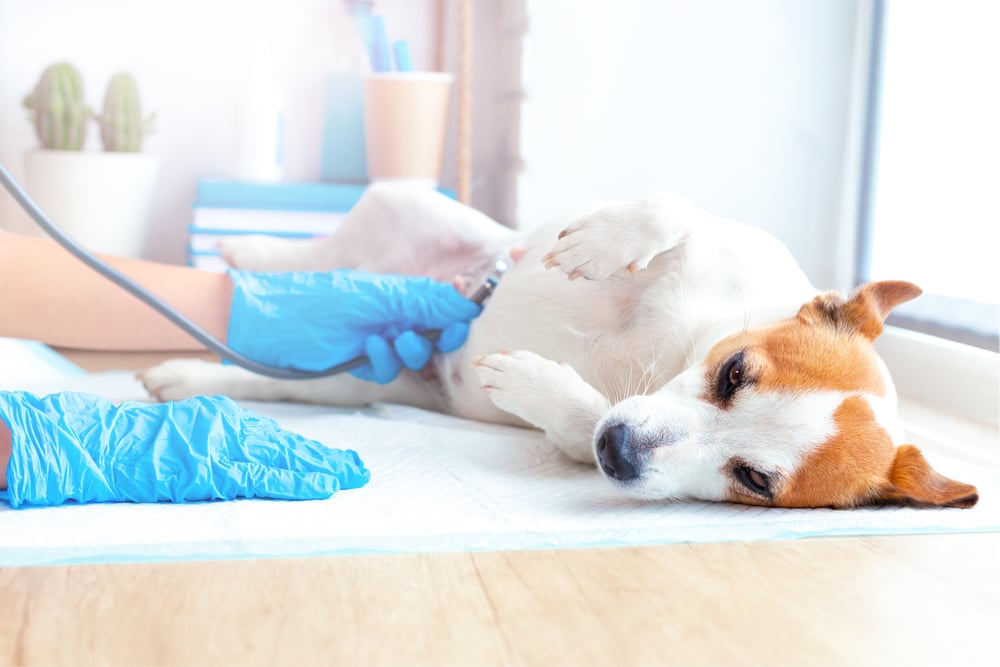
(313,321)
(80,447)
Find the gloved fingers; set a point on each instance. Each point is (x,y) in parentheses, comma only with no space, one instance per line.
(366,373)
(384,365)
(287,450)
(253,480)
(423,303)
(413,349)
(453,337)
(373,299)
(450,306)
(245,415)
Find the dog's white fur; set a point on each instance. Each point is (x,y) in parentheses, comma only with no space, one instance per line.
(609,316)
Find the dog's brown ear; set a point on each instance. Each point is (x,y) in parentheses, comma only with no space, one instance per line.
(865,311)
(913,482)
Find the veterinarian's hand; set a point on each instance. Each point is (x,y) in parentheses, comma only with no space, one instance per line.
(79,447)
(312,321)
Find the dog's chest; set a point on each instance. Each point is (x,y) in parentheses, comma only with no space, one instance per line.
(622,337)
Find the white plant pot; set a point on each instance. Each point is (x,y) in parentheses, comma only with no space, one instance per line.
(101,199)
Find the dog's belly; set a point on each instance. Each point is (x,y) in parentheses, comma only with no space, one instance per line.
(589,325)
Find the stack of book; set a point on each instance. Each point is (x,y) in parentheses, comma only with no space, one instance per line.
(290,210)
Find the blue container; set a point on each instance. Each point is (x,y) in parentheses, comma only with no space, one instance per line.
(343,158)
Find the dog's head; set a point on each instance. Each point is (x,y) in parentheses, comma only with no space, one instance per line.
(801,413)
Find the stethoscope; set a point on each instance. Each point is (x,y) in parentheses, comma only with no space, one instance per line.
(197,332)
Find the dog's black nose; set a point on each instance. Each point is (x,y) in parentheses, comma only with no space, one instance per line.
(616,453)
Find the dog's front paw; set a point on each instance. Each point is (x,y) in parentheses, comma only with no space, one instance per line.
(618,239)
(523,383)
(546,394)
(177,379)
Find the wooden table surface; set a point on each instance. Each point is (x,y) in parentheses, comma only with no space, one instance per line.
(900,600)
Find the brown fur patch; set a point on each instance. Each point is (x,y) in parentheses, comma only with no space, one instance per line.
(847,470)
(913,482)
(805,358)
(795,356)
(864,312)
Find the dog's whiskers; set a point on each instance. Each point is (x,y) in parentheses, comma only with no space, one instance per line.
(638,380)
(609,388)
(653,380)
(631,384)
(689,356)
(647,370)
(618,387)
(746,310)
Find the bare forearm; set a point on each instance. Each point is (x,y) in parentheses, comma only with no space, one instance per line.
(5,452)
(47,294)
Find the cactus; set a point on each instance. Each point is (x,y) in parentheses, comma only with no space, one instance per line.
(58,110)
(122,125)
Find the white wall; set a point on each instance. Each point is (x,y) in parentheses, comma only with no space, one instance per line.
(741,106)
(191,58)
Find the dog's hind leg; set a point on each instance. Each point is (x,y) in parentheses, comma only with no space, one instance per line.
(393,228)
(548,395)
(178,379)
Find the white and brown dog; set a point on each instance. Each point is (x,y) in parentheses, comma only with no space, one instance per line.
(684,363)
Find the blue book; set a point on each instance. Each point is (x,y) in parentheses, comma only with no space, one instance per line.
(326,197)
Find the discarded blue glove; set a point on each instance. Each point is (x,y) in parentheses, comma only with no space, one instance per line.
(313,321)
(80,447)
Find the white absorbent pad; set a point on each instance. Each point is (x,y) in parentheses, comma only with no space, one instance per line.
(438,484)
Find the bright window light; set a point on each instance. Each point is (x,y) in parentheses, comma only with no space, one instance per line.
(934,197)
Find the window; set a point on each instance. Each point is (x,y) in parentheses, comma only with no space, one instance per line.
(931,183)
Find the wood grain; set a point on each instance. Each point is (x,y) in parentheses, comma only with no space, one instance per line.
(847,601)
(903,600)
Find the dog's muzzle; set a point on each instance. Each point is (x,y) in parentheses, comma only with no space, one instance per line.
(619,453)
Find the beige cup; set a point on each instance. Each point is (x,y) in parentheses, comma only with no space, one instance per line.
(406,114)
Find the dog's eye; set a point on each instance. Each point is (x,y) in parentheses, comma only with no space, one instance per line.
(731,377)
(754,480)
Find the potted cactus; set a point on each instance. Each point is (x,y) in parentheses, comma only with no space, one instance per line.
(102,198)
(59,110)
(122,124)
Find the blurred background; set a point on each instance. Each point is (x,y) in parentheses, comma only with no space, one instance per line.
(863,134)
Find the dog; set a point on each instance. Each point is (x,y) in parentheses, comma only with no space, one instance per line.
(687,355)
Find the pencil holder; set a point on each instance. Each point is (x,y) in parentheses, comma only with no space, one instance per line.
(406,115)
